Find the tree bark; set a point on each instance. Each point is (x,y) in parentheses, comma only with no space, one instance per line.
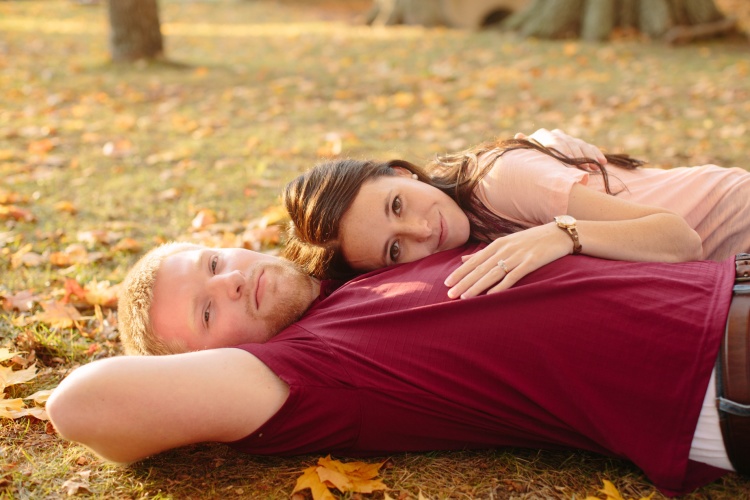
(598,19)
(670,20)
(417,12)
(135,31)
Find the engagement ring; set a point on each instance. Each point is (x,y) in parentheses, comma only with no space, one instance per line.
(501,264)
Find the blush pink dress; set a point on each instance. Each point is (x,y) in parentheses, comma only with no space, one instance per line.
(531,188)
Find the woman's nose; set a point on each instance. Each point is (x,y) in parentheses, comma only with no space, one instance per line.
(230,283)
(419,230)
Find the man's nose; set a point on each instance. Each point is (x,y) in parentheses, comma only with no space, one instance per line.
(231,283)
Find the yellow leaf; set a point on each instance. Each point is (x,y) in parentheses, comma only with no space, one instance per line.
(40,397)
(353,476)
(9,407)
(611,493)
(310,479)
(5,354)
(101,293)
(8,376)
(57,314)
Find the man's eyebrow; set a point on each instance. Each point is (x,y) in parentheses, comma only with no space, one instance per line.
(192,324)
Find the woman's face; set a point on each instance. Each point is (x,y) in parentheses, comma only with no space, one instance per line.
(396,219)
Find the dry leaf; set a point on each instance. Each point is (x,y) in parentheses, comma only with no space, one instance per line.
(77,485)
(21,301)
(40,397)
(66,206)
(12,212)
(57,315)
(310,479)
(357,477)
(9,376)
(128,245)
(5,354)
(353,476)
(10,407)
(204,218)
(611,493)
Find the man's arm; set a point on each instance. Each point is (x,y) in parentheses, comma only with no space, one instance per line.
(130,407)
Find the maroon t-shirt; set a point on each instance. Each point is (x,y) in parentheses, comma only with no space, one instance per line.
(606,356)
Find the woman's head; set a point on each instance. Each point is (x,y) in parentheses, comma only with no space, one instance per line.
(351,216)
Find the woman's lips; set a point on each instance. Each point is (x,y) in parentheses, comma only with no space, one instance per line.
(443,232)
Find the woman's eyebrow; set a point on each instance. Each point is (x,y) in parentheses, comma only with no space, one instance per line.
(384,254)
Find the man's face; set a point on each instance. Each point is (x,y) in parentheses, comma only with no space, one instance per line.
(210,297)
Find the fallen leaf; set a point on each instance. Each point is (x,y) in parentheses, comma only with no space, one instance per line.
(10,407)
(356,477)
(353,476)
(204,218)
(611,493)
(12,212)
(66,206)
(310,479)
(57,315)
(9,376)
(6,354)
(40,397)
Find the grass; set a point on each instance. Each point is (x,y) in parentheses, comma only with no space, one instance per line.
(111,160)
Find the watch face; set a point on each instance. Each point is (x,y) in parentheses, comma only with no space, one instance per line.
(565,220)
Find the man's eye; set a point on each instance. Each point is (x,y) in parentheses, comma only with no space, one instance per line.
(396,205)
(213,263)
(395,251)
(207,315)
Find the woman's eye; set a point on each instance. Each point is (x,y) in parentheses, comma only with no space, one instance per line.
(213,263)
(396,205)
(395,251)
(207,315)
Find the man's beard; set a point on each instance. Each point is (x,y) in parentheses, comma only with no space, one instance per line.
(291,306)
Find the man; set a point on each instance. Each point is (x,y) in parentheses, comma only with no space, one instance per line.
(611,357)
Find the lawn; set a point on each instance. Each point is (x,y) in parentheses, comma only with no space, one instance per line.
(99,163)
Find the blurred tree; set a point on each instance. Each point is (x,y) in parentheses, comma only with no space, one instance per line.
(468,14)
(135,32)
(675,21)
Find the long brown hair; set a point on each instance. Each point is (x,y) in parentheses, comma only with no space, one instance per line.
(318,199)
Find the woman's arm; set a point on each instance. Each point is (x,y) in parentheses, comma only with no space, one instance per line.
(608,227)
(130,407)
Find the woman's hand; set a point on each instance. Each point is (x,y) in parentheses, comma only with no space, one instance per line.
(565,144)
(499,265)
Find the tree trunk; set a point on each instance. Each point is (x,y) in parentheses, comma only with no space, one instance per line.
(135,30)
(598,19)
(671,20)
(418,12)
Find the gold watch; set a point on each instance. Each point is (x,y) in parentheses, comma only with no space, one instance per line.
(568,224)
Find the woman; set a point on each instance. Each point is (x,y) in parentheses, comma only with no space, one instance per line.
(350,217)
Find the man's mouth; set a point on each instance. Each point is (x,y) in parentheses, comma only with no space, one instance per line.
(260,286)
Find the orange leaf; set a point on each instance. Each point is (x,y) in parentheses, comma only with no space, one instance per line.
(358,477)
(310,479)
(22,301)
(57,315)
(12,212)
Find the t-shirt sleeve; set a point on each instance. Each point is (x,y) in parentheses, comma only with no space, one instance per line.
(529,187)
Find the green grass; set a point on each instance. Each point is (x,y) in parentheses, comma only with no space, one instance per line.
(261,89)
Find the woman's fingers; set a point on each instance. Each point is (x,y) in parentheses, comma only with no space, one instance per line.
(480,278)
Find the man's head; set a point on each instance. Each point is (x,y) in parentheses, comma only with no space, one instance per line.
(181,297)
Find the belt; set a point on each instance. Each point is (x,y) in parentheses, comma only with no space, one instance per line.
(733,371)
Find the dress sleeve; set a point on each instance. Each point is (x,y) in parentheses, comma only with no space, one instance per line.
(529,187)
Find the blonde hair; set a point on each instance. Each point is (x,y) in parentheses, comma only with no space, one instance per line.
(134,303)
